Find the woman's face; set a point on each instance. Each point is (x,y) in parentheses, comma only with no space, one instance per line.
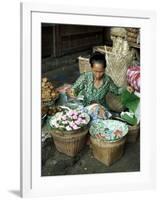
(98,71)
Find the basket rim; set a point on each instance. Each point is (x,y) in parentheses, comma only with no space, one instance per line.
(98,140)
(69,134)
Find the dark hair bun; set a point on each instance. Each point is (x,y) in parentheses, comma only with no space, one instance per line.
(98,57)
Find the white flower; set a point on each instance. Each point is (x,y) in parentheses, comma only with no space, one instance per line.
(56,125)
(68,128)
(65,122)
(84,121)
(64,117)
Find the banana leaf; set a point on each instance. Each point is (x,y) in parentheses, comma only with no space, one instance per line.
(130,100)
(129,120)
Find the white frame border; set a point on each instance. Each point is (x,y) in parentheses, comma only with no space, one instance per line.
(146,178)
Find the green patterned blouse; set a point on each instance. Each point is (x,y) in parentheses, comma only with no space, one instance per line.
(84,86)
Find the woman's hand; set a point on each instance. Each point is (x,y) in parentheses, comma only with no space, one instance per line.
(102,112)
(70,92)
(130,89)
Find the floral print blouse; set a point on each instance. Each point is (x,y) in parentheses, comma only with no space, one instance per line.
(84,86)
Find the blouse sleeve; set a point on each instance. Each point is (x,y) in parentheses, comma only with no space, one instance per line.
(113,88)
(79,84)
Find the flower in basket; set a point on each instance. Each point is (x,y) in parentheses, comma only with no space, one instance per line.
(118,133)
(108,130)
(69,120)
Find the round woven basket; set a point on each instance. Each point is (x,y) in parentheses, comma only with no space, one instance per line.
(133,133)
(114,103)
(69,142)
(107,152)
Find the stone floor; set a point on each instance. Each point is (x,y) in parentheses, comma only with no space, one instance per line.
(56,163)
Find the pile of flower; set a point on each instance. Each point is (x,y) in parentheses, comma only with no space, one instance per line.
(69,120)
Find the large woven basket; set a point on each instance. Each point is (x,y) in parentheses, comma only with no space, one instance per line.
(117,64)
(107,152)
(69,143)
(114,103)
(133,133)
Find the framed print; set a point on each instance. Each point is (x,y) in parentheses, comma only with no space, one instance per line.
(87,100)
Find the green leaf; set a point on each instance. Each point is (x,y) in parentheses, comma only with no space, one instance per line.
(130,100)
(129,120)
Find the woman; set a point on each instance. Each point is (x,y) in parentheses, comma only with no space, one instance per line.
(95,85)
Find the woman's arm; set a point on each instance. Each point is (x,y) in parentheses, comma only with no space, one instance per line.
(74,90)
(119,90)
(113,88)
(78,85)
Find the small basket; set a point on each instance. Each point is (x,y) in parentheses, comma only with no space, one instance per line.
(133,133)
(69,143)
(133,36)
(84,65)
(107,152)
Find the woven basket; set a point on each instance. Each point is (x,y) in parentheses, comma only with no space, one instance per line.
(114,103)
(133,133)
(84,65)
(133,35)
(69,143)
(107,152)
(117,64)
(102,49)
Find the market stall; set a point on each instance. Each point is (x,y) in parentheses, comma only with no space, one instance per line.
(69,122)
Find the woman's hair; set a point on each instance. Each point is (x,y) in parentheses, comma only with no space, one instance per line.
(99,58)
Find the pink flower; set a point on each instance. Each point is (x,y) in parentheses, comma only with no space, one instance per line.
(72,112)
(75,127)
(71,124)
(118,133)
(75,112)
(78,122)
(74,117)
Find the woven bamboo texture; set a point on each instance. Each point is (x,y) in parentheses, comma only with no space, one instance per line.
(84,65)
(114,103)
(69,144)
(132,35)
(133,133)
(107,152)
(117,64)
